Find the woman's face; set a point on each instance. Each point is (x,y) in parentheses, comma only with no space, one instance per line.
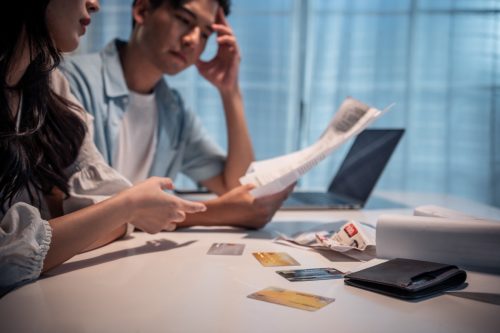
(67,21)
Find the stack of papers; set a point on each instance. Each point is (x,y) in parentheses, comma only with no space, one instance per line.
(274,175)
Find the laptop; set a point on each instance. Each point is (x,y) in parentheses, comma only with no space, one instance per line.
(357,176)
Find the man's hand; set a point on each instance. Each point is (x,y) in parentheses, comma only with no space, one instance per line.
(239,208)
(222,70)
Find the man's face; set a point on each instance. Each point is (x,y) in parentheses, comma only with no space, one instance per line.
(174,39)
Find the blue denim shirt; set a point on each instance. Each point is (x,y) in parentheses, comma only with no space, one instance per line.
(183,145)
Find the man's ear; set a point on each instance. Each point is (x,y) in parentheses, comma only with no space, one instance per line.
(140,10)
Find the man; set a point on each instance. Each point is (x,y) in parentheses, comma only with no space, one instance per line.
(141,125)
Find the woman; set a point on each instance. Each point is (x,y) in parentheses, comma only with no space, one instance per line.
(50,173)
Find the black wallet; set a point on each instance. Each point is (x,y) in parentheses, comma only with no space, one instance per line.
(407,279)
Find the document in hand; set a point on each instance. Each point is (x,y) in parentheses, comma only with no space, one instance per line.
(274,175)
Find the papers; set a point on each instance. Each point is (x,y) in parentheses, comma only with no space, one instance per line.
(274,175)
(438,211)
(458,240)
(350,236)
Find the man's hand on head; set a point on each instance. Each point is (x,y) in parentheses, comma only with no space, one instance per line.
(222,70)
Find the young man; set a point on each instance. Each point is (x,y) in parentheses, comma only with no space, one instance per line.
(141,125)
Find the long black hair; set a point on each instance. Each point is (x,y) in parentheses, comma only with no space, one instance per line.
(48,136)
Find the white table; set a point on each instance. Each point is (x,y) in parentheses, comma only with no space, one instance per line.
(167,283)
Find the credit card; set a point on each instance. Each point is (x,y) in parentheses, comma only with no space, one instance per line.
(311,274)
(271,259)
(228,249)
(294,299)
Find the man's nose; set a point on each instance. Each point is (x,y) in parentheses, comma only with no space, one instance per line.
(192,38)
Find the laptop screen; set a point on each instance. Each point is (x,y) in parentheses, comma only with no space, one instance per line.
(364,163)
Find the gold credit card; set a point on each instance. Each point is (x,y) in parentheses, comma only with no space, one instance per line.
(294,299)
(270,259)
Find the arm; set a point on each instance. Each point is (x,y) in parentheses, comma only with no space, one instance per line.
(30,244)
(74,233)
(108,238)
(239,208)
(144,205)
(54,203)
(222,72)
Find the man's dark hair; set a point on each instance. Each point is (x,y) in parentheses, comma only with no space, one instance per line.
(225,4)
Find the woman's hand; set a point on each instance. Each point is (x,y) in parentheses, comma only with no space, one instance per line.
(152,210)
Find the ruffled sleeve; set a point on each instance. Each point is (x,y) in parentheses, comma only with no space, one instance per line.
(24,242)
(91,179)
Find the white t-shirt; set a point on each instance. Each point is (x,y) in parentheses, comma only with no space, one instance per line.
(137,138)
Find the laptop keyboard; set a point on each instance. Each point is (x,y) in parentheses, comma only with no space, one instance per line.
(317,198)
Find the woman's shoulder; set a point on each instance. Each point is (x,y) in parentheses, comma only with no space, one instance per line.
(61,87)
(59,83)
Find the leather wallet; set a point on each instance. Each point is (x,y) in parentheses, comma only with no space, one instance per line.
(407,279)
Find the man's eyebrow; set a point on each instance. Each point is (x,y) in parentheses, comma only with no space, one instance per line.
(195,17)
(189,12)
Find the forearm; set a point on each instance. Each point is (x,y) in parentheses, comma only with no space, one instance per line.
(238,208)
(85,229)
(108,238)
(215,215)
(240,151)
